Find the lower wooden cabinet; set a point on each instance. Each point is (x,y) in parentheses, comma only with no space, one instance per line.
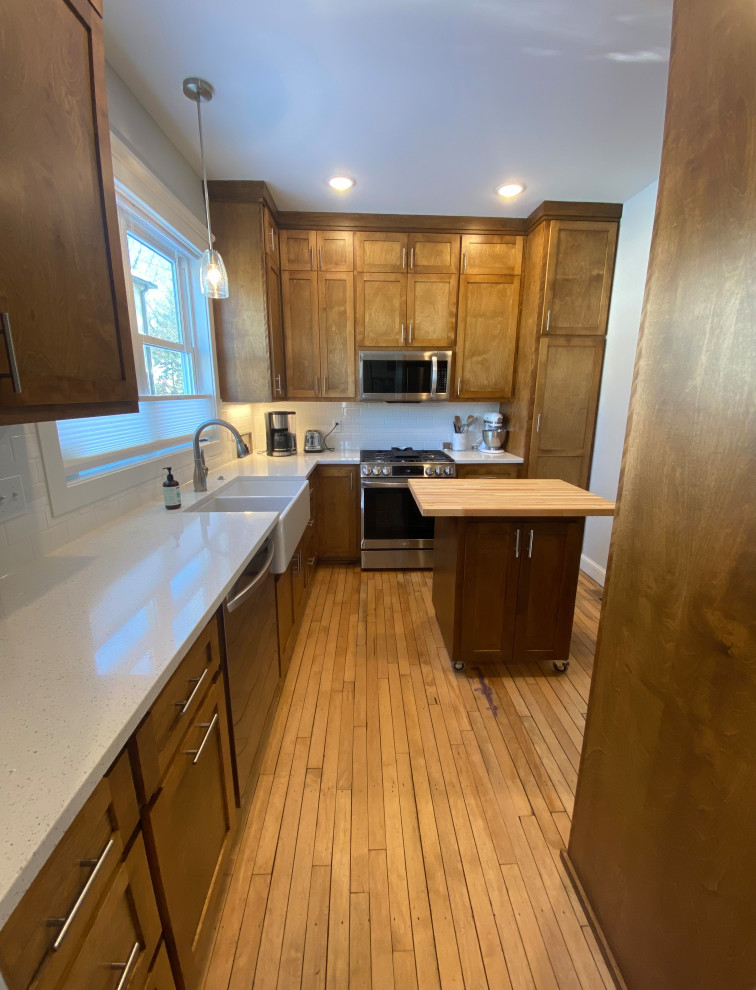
(338,512)
(505,590)
(188,829)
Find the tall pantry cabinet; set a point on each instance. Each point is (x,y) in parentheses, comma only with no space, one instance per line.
(569,266)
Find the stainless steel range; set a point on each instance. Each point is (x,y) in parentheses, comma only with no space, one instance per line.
(394,534)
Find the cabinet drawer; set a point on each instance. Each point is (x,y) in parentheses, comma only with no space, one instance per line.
(69,887)
(195,803)
(489,470)
(123,937)
(158,737)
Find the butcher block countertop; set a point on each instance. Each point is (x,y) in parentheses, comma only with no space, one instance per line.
(506,498)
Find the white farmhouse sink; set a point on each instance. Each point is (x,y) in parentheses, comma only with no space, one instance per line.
(289,497)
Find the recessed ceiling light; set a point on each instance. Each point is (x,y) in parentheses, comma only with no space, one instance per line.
(340,183)
(510,189)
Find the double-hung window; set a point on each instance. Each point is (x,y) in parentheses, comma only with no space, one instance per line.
(88,459)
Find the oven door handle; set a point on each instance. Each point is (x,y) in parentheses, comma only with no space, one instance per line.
(385,484)
(434,376)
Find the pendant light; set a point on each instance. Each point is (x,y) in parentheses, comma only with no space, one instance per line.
(213,277)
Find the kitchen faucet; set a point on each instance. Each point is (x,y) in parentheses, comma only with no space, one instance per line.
(200,471)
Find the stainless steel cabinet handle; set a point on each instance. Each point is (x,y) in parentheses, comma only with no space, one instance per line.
(311,522)
(272,240)
(278,385)
(311,264)
(128,966)
(197,681)
(5,329)
(530,544)
(208,727)
(311,561)
(548,321)
(412,257)
(351,481)
(538,424)
(459,386)
(517,543)
(320,257)
(66,923)
(317,385)
(464,261)
(410,333)
(325,384)
(404,257)
(402,333)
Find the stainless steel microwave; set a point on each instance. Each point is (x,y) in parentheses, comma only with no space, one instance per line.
(405,376)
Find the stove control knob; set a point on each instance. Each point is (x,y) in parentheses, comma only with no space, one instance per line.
(386,470)
(376,470)
(438,471)
(429,471)
(365,469)
(448,471)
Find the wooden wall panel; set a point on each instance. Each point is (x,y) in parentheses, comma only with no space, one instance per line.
(663,840)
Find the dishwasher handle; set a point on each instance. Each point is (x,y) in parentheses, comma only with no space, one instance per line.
(240,595)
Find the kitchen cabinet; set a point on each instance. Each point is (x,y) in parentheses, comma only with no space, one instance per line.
(321,250)
(579,271)
(376,251)
(338,512)
(566,399)
(504,590)
(285,615)
(188,829)
(421,253)
(492,254)
(490,470)
(248,324)
(432,310)
(298,250)
(487,336)
(293,589)
(318,310)
(65,339)
(433,254)
(381,309)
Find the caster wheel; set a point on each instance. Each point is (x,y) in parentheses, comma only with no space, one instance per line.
(459,664)
(561,665)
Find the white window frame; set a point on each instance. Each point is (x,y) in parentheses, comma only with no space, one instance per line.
(154,204)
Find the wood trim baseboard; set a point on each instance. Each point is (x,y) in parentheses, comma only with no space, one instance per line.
(603,945)
(593,570)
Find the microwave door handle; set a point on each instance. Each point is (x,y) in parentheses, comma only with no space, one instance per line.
(434,375)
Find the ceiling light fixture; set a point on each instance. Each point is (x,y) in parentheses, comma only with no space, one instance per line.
(510,189)
(340,183)
(213,277)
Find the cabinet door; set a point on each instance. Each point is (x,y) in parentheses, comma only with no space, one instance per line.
(301,334)
(579,272)
(335,250)
(489,590)
(567,390)
(492,254)
(270,236)
(486,336)
(285,614)
(338,512)
(431,309)
(437,253)
(298,250)
(196,803)
(380,252)
(549,565)
(381,312)
(62,284)
(299,579)
(274,306)
(336,309)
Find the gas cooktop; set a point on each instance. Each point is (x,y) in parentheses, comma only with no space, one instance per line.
(404,455)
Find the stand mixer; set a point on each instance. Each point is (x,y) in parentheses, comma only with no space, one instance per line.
(494,434)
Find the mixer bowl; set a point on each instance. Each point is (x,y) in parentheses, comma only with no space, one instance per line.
(494,439)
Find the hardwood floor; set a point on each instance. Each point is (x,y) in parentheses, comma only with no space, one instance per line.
(407,822)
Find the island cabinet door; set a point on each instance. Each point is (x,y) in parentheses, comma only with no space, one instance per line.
(549,564)
(489,596)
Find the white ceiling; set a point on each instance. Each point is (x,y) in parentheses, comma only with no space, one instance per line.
(428,104)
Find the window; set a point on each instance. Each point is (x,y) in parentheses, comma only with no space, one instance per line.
(85,459)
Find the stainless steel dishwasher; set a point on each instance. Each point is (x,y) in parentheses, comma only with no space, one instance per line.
(252,671)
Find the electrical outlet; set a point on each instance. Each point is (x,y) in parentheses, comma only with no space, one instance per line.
(336,426)
(12,498)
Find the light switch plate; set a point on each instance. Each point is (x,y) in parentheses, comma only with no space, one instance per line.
(12,498)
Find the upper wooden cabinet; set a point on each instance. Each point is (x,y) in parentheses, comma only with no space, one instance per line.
(65,339)
(376,251)
(579,270)
(486,336)
(317,250)
(381,309)
(492,254)
(248,327)
(566,399)
(431,310)
(301,334)
(433,254)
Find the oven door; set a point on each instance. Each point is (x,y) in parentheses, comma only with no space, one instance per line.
(391,518)
(404,376)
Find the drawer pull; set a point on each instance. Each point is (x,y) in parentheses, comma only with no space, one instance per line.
(197,681)
(209,726)
(65,923)
(128,966)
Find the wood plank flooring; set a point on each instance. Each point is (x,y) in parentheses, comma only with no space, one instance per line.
(407,822)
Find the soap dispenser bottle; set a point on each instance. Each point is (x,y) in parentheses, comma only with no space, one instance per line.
(171,491)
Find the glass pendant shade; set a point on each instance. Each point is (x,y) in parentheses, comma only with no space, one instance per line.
(213,277)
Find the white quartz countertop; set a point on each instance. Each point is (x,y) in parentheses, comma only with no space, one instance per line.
(89,635)
(475,457)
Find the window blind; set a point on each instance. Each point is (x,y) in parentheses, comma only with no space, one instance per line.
(88,444)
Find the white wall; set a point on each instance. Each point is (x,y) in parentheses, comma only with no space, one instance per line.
(621,341)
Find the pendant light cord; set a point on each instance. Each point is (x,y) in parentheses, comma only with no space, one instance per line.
(204,171)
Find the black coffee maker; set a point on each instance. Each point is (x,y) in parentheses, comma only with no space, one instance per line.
(280,434)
